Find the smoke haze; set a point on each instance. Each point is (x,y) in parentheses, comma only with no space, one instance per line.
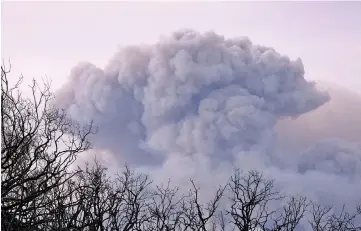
(338,118)
(195,105)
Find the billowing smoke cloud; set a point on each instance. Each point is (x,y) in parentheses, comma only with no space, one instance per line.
(332,157)
(191,93)
(339,118)
(197,104)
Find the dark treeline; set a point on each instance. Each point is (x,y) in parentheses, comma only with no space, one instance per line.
(39,191)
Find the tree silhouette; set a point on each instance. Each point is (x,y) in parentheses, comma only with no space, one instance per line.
(38,144)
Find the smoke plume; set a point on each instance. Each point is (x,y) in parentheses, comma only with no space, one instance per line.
(198,104)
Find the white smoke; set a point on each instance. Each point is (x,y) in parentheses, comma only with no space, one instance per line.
(197,105)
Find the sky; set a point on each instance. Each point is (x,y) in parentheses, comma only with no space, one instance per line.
(48,38)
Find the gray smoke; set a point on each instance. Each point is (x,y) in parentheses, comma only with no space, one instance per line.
(198,104)
(191,93)
(339,118)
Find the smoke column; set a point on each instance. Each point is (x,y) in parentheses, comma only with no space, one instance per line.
(198,104)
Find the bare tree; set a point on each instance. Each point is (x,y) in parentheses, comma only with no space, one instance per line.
(102,203)
(290,215)
(93,192)
(165,209)
(323,218)
(38,144)
(198,216)
(251,196)
(130,210)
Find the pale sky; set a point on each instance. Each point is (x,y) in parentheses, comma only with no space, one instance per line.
(48,38)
